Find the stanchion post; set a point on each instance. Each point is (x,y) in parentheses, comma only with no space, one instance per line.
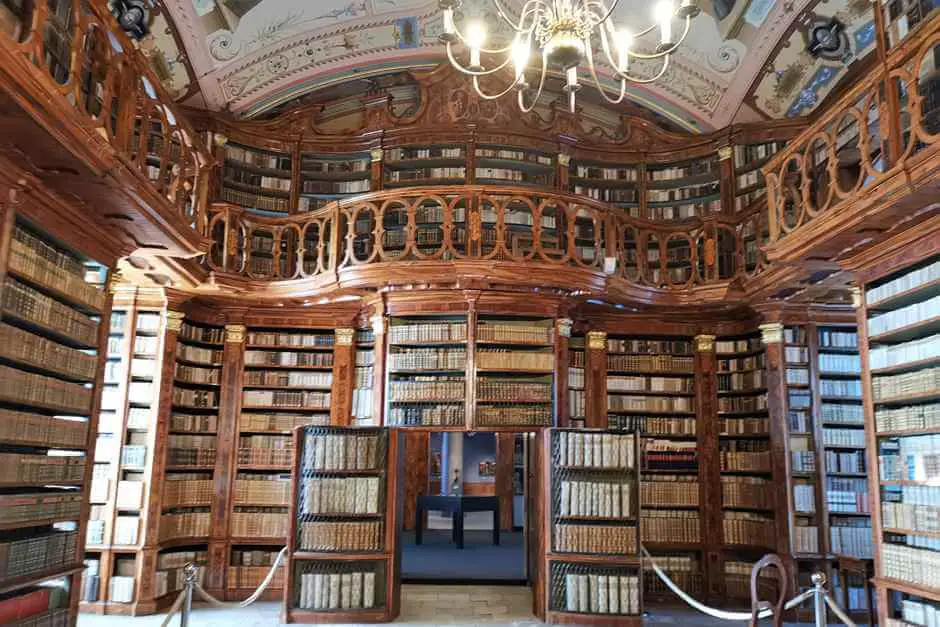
(819,598)
(190,571)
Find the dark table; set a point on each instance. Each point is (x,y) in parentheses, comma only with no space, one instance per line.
(457,506)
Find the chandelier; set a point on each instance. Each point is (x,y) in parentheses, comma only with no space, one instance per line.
(564,33)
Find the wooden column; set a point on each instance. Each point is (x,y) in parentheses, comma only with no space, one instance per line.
(729,182)
(377,156)
(471,405)
(230,403)
(504,474)
(378,369)
(595,380)
(150,540)
(709,467)
(775,365)
(562,174)
(414,474)
(344,378)
(822,508)
(562,404)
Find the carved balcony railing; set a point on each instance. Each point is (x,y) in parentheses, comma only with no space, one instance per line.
(882,135)
(419,228)
(71,59)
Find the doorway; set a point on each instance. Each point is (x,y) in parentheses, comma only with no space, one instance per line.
(465,508)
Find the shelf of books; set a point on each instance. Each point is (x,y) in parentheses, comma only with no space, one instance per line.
(744,459)
(593,569)
(189,471)
(426,372)
(425,165)
(362,407)
(618,185)
(749,182)
(685,190)
(807,517)
(846,489)
(257,179)
(498,164)
(515,365)
(343,556)
(51,311)
(126,437)
(902,375)
(328,177)
(576,381)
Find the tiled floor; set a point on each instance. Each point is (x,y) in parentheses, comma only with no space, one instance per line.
(426,606)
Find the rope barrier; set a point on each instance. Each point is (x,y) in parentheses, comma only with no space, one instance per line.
(174,608)
(208,598)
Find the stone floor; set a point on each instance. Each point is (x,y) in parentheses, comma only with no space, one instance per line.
(422,605)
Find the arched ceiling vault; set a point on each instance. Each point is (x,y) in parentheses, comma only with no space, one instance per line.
(744,60)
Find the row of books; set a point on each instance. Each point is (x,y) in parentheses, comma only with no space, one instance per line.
(519,415)
(747,492)
(595,450)
(844,438)
(505,174)
(256,201)
(335,591)
(170,575)
(744,155)
(665,364)
(421,389)
(265,182)
(513,155)
(683,570)
(660,426)
(741,381)
(288,339)
(845,462)
(669,455)
(805,539)
(211,335)
(311,186)
(18,386)
(855,541)
(311,165)
(804,498)
(421,174)
(200,423)
(744,345)
(803,461)
(905,316)
(29,508)
(513,333)
(260,422)
(286,399)
(248,156)
(842,413)
(681,193)
(494,390)
(606,194)
(427,332)
(922,349)
(741,404)
(342,451)
(198,354)
(21,468)
(191,450)
(358,536)
(914,565)
(186,490)
(260,522)
(261,490)
(797,376)
(285,358)
(750,179)
(748,528)
(670,526)
(434,152)
(41,264)
(614,540)
(847,496)
(908,281)
(288,378)
(340,495)
(575,376)
(906,384)
(837,339)
(428,359)
(747,461)
(45,606)
(594,500)
(673,173)
(601,594)
(250,577)
(741,364)
(22,557)
(184,523)
(265,450)
(430,415)
(796,354)
(658,404)
(650,384)
(24,347)
(840,388)
(605,173)
(193,374)
(504,359)
(195,398)
(912,516)
(835,362)
(670,491)
(649,347)
(18,427)
(743,426)
(919,612)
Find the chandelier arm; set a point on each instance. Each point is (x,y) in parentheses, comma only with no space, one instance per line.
(646,81)
(469,72)
(538,93)
(670,50)
(605,45)
(597,4)
(607,12)
(525,8)
(485,96)
(533,10)
(597,83)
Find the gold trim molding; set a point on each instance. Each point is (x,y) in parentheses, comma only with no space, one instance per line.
(725,153)
(771,333)
(597,340)
(235,333)
(704,343)
(174,320)
(376,154)
(564,326)
(344,336)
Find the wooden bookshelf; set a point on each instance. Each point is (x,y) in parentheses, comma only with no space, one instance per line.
(592,527)
(577,382)
(345,513)
(332,176)
(895,374)
(256,178)
(679,191)
(363,401)
(54,321)
(749,185)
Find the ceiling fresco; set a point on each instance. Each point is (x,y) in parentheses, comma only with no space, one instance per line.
(250,56)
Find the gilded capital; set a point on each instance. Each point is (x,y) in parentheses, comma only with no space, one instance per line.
(564,326)
(771,333)
(856,297)
(344,337)
(564,159)
(235,333)
(377,154)
(174,320)
(219,139)
(725,153)
(378,325)
(704,343)
(597,340)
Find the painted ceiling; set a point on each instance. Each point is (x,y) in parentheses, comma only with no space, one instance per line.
(249,56)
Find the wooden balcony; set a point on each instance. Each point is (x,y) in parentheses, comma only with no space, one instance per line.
(84,117)
(493,235)
(868,167)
